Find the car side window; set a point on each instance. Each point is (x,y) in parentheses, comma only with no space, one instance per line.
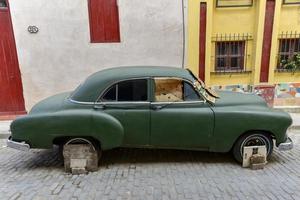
(169,90)
(131,90)
(111,94)
(189,92)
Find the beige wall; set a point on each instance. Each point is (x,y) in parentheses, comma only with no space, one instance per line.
(60,55)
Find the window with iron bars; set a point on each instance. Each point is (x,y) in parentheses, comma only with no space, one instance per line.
(3,4)
(231,52)
(234,3)
(291,2)
(230,56)
(289,46)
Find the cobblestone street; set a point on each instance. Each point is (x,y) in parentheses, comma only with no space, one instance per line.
(149,174)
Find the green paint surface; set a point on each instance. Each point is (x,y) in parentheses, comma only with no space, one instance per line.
(198,125)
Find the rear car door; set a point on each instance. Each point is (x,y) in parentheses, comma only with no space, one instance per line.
(180,118)
(128,101)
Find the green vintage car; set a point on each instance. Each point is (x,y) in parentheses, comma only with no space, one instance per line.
(152,107)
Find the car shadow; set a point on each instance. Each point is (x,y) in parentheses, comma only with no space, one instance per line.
(120,156)
(127,156)
(144,156)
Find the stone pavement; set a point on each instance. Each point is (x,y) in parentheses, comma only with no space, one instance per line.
(149,174)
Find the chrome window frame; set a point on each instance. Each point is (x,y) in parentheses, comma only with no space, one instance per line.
(98,102)
(99,98)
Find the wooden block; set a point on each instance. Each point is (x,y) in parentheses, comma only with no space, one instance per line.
(257,159)
(257,166)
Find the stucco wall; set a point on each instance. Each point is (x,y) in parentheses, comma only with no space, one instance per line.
(60,55)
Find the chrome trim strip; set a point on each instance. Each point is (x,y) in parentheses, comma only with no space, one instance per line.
(135,102)
(81,102)
(176,102)
(287,145)
(22,146)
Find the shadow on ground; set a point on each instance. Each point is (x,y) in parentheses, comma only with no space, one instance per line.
(120,156)
(53,158)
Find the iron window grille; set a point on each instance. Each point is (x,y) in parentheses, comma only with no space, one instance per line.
(233,3)
(231,53)
(290,2)
(289,46)
(3,4)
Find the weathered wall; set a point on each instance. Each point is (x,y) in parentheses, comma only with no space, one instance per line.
(61,56)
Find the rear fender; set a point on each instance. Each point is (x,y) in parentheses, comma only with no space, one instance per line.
(40,130)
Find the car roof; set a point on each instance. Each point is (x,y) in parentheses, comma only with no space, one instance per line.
(95,84)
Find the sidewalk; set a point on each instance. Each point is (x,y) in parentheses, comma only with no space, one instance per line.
(296,121)
(4,129)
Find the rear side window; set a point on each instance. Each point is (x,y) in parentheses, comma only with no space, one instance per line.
(132,90)
(111,94)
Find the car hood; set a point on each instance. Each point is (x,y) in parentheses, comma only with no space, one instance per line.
(50,104)
(228,98)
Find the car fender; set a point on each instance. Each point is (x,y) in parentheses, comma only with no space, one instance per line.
(40,130)
(107,129)
(231,123)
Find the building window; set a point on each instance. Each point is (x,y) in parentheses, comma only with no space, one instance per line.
(3,4)
(288,48)
(230,56)
(104,21)
(291,1)
(234,3)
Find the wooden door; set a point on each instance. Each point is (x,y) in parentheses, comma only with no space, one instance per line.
(11,92)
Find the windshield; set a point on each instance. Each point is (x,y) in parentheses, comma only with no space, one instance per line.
(209,94)
(204,92)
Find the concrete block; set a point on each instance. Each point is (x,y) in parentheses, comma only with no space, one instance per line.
(80,158)
(249,151)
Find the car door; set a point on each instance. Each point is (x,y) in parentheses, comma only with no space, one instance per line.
(180,118)
(128,101)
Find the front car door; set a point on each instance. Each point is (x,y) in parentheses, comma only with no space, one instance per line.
(180,118)
(128,101)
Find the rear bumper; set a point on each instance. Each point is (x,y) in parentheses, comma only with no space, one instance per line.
(22,146)
(287,145)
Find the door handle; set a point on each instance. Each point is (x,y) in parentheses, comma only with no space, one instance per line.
(97,107)
(156,107)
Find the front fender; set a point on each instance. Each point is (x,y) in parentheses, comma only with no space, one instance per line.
(231,123)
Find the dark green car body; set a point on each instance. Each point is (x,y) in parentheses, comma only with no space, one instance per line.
(196,125)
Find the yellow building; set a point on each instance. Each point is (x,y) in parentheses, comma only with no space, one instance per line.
(244,43)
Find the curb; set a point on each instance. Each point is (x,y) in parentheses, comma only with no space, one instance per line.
(294,128)
(289,109)
(4,136)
